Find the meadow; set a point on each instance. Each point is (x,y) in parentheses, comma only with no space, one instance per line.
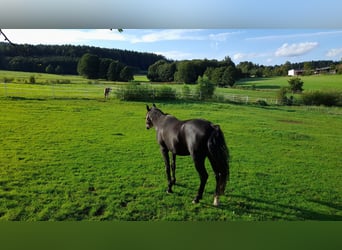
(82,157)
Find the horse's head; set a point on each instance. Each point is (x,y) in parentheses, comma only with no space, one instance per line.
(149,123)
(152,115)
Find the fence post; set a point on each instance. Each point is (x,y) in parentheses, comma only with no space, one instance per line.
(247,99)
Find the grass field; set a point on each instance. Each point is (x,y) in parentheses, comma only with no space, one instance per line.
(77,158)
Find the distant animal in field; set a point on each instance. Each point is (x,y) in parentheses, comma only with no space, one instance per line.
(196,137)
(106,92)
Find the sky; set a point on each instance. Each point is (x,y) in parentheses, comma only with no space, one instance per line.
(260,46)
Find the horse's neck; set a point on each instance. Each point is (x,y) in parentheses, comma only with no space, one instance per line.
(163,119)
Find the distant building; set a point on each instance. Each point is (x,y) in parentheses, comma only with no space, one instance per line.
(317,71)
(295,72)
(325,70)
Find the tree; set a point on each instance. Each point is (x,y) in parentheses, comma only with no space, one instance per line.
(166,72)
(223,76)
(205,88)
(161,71)
(88,66)
(308,68)
(114,71)
(186,72)
(50,69)
(103,67)
(296,84)
(215,75)
(228,77)
(285,68)
(246,68)
(126,74)
(59,69)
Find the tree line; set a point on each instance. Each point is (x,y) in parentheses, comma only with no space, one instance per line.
(225,73)
(63,59)
(220,73)
(93,67)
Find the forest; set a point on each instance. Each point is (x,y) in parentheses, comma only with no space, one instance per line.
(63,59)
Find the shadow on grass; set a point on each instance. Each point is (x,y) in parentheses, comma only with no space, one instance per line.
(20,98)
(268,210)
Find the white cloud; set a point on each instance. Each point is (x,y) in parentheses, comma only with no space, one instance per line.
(248,56)
(292,36)
(334,52)
(166,35)
(58,36)
(295,49)
(239,56)
(175,55)
(222,37)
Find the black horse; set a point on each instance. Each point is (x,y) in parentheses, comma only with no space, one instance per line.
(198,138)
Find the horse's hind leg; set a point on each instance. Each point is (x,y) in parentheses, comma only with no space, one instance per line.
(200,167)
(173,169)
(221,180)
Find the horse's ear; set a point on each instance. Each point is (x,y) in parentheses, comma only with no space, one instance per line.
(148,108)
(154,105)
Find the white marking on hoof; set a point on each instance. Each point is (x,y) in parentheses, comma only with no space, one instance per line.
(216,201)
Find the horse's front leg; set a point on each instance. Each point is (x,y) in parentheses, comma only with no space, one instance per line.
(165,153)
(173,168)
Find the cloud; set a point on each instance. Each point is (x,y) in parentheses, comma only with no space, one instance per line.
(62,36)
(295,49)
(334,52)
(292,36)
(59,37)
(248,56)
(166,35)
(175,55)
(222,37)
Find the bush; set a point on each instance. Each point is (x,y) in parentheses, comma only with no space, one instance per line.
(32,80)
(205,89)
(137,92)
(322,98)
(282,97)
(296,85)
(165,93)
(133,92)
(186,92)
(261,102)
(7,80)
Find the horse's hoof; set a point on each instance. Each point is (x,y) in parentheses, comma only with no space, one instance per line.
(195,201)
(169,191)
(216,202)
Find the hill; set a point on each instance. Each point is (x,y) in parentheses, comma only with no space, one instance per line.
(64,58)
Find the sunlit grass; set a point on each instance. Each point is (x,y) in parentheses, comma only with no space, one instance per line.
(94,160)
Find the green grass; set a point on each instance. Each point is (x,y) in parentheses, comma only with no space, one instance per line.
(94,160)
(68,154)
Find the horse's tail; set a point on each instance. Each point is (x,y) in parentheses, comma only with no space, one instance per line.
(219,156)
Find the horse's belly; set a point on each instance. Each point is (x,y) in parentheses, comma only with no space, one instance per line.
(181,150)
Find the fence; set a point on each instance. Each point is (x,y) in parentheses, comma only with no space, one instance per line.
(96,91)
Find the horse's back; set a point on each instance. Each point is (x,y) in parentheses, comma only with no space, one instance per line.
(196,133)
(184,137)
